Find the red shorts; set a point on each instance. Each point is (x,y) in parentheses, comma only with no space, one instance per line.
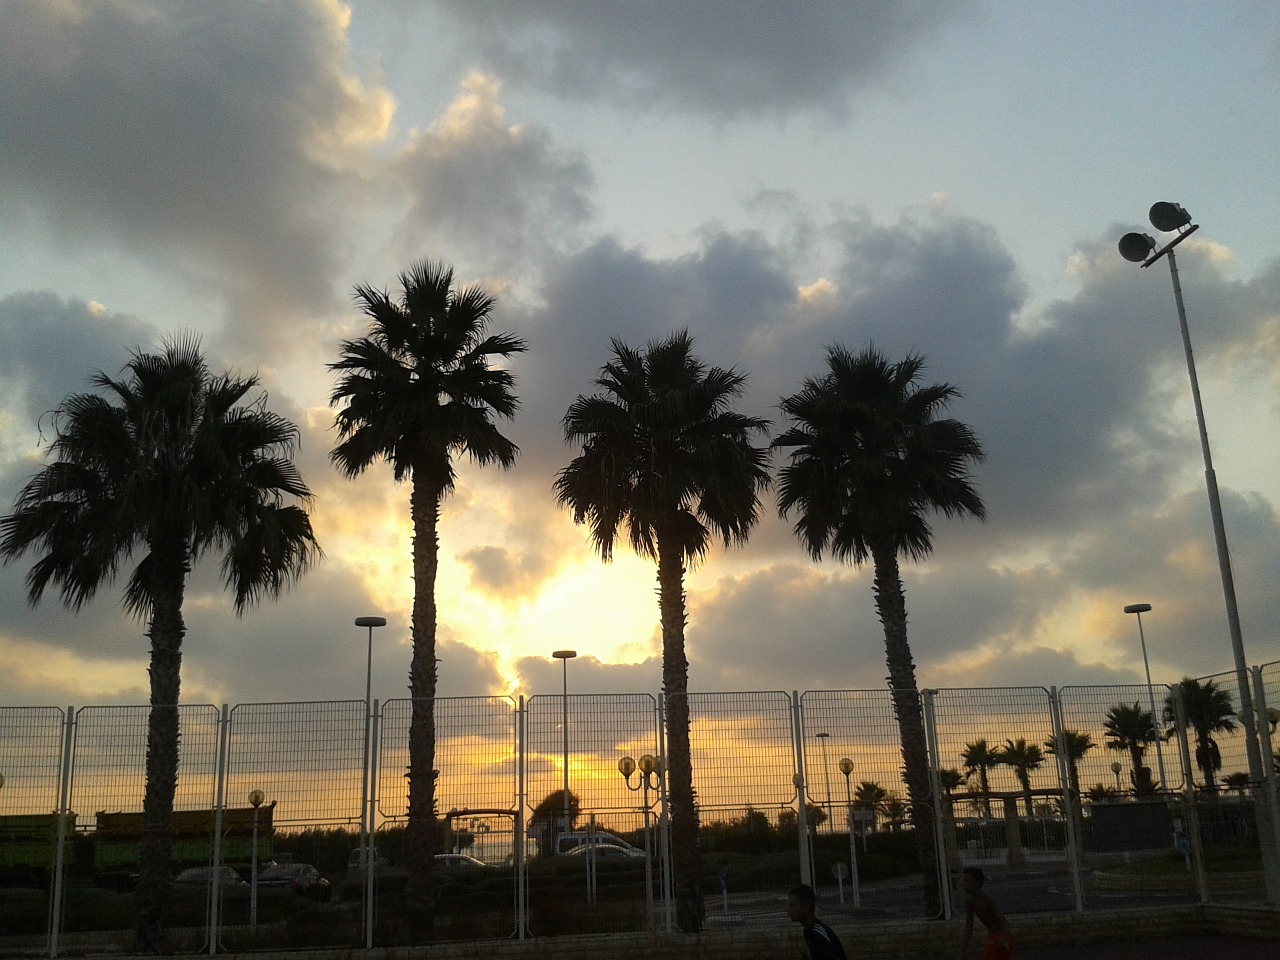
(999,946)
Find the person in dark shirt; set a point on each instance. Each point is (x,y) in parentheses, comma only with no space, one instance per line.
(820,939)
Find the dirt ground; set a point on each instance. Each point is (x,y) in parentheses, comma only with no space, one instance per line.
(1184,948)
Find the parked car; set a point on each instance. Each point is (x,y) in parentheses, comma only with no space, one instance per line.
(357,861)
(302,878)
(200,875)
(459,861)
(606,851)
(567,842)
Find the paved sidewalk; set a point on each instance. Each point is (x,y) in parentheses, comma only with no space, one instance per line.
(1183,948)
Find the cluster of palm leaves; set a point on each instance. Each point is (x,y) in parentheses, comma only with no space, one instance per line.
(175,468)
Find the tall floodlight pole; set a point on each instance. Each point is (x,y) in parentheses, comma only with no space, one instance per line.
(1141,248)
(1139,609)
(366,821)
(564,656)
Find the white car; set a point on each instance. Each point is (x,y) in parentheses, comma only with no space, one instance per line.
(606,851)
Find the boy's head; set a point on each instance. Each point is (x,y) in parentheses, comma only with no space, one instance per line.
(972,878)
(800,903)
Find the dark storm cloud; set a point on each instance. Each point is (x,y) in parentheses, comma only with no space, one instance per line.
(499,194)
(50,347)
(722,59)
(204,135)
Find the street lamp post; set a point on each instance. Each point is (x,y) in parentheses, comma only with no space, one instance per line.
(846,767)
(650,769)
(823,737)
(366,821)
(564,656)
(1115,770)
(255,801)
(1138,609)
(1141,248)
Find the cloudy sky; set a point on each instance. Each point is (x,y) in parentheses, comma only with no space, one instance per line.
(948,179)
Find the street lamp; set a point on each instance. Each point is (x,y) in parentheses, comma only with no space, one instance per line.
(846,767)
(366,821)
(1139,609)
(1141,248)
(650,768)
(255,801)
(1115,770)
(823,737)
(564,656)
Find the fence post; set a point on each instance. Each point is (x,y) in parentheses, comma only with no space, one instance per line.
(518,842)
(220,794)
(1070,807)
(1270,802)
(370,861)
(1189,794)
(664,826)
(64,811)
(935,790)
(802,819)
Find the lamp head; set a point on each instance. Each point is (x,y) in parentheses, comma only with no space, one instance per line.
(255,798)
(371,621)
(1136,247)
(648,764)
(1138,608)
(846,766)
(1115,766)
(1168,217)
(626,767)
(564,654)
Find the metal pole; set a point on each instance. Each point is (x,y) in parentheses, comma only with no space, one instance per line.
(564,726)
(253,878)
(371,860)
(1151,699)
(853,844)
(826,776)
(1220,539)
(564,656)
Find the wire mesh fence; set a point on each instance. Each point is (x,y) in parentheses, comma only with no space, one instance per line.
(788,787)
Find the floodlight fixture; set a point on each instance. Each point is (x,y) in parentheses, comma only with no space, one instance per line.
(1168,217)
(1136,247)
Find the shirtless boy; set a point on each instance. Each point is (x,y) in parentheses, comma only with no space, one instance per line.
(978,903)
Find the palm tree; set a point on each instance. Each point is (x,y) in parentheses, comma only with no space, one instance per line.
(1208,710)
(949,779)
(868,461)
(1237,781)
(895,811)
(1075,745)
(870,796)
(1131,729)
(1024,758)
(170,465)
(417,390)
(665,456)
(979,758)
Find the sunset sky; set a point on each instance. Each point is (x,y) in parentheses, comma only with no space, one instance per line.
(948,179)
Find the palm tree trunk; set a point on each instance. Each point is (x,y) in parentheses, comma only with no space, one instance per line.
(166,632)
(422,840)
(687,865)
(892,609)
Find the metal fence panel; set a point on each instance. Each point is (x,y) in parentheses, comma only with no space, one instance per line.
(32,739)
